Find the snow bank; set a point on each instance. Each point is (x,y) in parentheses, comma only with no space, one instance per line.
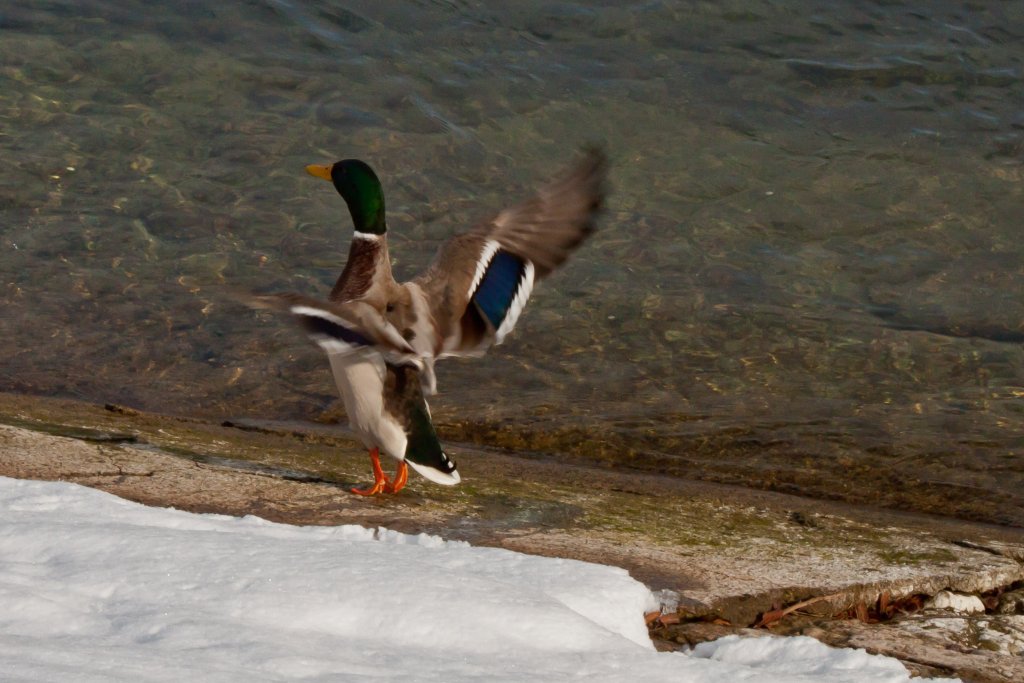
(95,588)
(802,654)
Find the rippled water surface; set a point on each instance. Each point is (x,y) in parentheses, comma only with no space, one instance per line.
(809,276)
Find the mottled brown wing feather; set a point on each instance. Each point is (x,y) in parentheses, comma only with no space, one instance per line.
(447,281)
(544,230)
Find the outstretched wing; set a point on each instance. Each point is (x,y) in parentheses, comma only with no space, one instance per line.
(480,281)
(341,328)
(546,228)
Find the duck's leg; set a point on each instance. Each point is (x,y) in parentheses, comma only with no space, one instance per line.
(380,481)
(401,476)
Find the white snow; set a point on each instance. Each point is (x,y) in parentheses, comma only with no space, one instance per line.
(96,588)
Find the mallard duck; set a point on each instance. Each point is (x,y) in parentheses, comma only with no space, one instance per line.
(382,337)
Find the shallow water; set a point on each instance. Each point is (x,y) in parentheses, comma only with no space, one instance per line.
(809,276)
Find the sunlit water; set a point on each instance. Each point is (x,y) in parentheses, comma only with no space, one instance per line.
(809,276)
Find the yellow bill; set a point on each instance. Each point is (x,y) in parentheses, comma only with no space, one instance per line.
(319,170)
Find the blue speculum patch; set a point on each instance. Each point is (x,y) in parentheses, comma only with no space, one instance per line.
(498,286)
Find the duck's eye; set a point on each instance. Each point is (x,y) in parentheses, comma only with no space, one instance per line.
(390,307)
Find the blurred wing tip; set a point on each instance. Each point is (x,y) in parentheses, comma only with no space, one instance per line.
(261,302)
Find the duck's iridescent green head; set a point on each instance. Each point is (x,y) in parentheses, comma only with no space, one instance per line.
(360,188)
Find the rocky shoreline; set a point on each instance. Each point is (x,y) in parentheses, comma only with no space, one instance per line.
(726,558)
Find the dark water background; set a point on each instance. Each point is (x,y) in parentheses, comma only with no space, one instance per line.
(810,276)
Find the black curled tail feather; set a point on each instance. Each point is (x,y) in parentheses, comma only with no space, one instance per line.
(403,399)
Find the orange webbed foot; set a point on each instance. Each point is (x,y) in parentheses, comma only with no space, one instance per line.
(378,487)
(380,481)
(401,477)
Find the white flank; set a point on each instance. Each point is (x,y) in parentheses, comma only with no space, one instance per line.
(518,303)
(365,236)
(490,247)
(360,380)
